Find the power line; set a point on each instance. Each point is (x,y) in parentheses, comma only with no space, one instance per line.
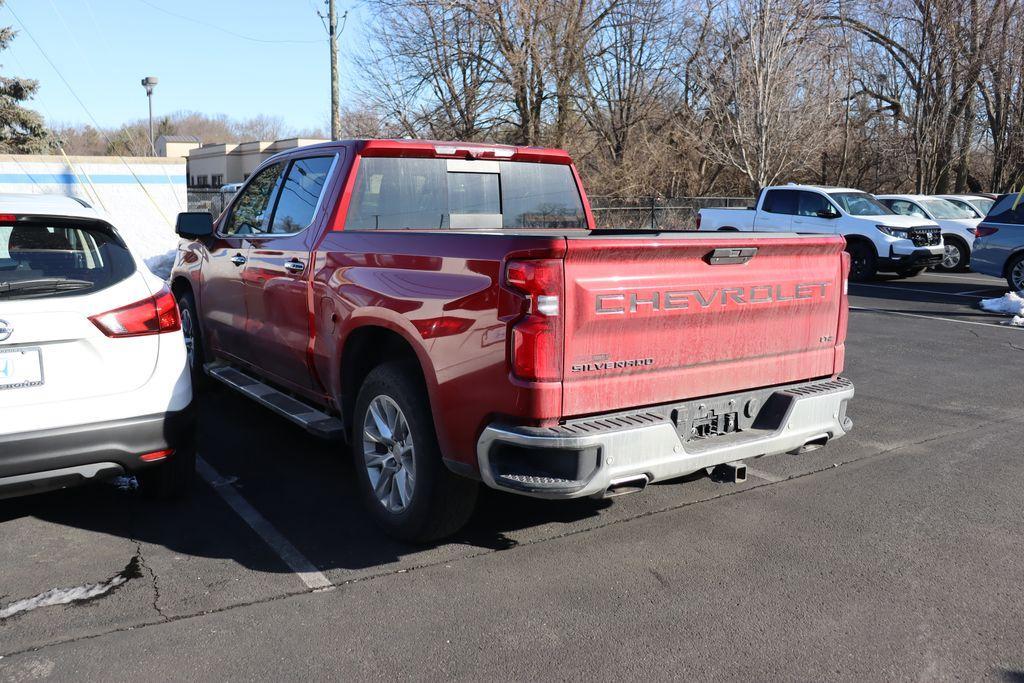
(222,29)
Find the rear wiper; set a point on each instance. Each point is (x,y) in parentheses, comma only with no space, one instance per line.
(45,284)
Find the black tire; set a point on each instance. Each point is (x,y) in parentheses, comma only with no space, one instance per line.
(440,502)
(171,479)
(1015,273)
(957,256)
(863,261)
(910,272)
(193,333)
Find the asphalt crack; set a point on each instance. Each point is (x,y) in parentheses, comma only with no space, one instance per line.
(154,581)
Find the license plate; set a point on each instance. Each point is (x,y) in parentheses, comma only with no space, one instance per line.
(20,368)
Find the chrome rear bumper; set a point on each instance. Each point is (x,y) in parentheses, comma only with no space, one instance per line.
(592,456)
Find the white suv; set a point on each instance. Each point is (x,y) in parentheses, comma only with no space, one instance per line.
(94,375)
(958,225)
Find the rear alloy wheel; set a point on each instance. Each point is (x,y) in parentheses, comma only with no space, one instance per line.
(955,256)
(1015,274)
(863,262)
(405,485)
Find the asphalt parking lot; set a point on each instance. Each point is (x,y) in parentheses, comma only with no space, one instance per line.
(894,553)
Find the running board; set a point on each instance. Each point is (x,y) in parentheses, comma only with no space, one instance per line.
(314,421)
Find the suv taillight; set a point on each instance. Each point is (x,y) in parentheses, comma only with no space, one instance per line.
(154,315)
(985,231)
(536,346)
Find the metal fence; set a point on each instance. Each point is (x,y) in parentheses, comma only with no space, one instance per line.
(647,213)
(212,200)
(636,213)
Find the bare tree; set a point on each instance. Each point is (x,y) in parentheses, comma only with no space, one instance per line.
(769,102)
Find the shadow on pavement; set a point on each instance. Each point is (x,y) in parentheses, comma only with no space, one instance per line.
(303,486)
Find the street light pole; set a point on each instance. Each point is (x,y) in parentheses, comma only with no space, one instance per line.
(149,82)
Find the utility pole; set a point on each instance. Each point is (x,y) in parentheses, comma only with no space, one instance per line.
(331,24)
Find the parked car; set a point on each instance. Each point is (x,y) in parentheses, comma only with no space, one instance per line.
(999,246)
(977,205)
(957,225)
(450,310)
(230,188)
(94,376)
(876,238)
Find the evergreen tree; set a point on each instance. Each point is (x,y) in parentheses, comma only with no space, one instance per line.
(22,130)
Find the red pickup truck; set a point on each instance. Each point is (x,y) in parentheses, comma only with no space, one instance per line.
(451,312)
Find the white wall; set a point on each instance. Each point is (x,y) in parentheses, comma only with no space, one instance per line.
(142,195)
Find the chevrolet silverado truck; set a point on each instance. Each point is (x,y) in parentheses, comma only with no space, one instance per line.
(877,238)
(450,311)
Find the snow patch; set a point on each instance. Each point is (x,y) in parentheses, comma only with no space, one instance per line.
(63,596)
(1011,303)
(161,264)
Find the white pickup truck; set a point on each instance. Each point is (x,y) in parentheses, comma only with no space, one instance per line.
(877,238)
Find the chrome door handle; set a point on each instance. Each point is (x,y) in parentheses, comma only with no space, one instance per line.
(238,260)
(294,266)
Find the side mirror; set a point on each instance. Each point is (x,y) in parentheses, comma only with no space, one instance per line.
(194,224)
(827,213)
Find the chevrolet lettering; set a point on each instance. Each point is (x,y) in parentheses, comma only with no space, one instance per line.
(682,299)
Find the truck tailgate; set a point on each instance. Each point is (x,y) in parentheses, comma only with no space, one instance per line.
(650,320)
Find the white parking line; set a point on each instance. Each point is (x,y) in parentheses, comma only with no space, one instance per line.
(977,291)
(908,289)
(932,317)
(964,279)
(771,478)
(303,568)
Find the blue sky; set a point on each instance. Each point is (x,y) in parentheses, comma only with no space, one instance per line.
(104,48)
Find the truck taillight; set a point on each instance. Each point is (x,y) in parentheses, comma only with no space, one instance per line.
(155,315)
(536,345)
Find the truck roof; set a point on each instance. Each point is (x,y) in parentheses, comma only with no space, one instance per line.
(439,149)
(819,188)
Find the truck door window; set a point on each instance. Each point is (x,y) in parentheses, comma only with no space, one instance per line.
(250,214)
(813,204)
(300,194)
(780,201)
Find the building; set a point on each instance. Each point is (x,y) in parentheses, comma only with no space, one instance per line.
(176,145)
(214,165)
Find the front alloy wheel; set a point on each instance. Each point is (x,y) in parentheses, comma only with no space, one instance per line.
(389,454)
(1015,275)
(188,332)
(954,256)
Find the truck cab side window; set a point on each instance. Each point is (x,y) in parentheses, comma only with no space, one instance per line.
(250,214)
(300,194)
(814,205)
(780,201)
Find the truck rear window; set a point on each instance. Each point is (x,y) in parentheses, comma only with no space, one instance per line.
(45,258)
(430,194)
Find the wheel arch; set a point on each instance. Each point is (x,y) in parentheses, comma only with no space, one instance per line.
(1014,255)
(364,348)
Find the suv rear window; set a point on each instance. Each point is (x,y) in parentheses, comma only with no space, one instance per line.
(1009,209)
(425,194)
(50,257)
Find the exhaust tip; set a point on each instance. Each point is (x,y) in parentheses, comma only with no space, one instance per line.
(623,486)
